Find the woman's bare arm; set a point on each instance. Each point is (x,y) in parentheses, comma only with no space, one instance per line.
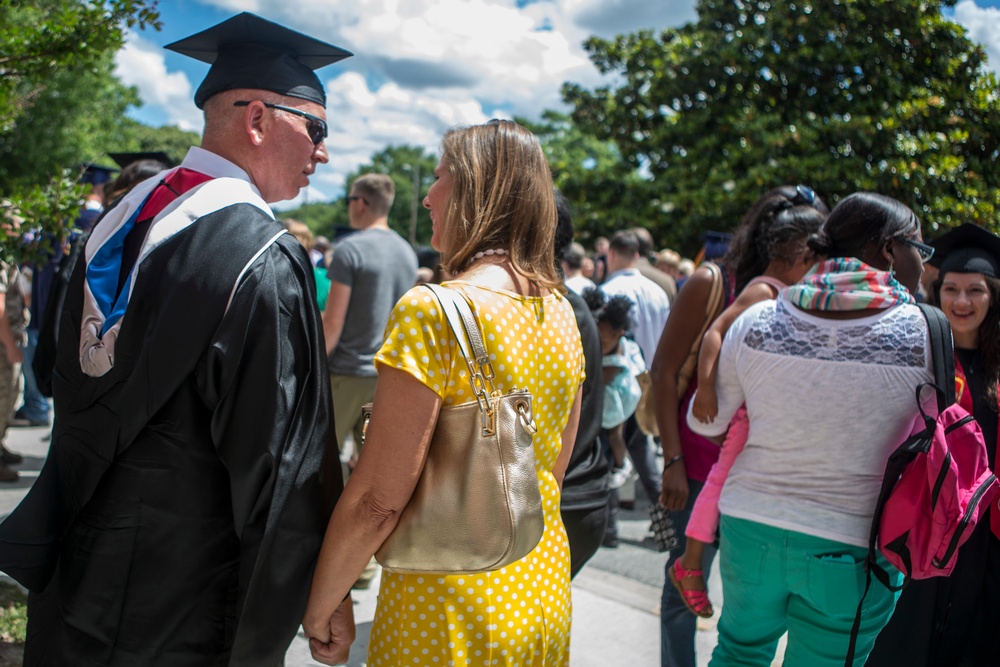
(687,315)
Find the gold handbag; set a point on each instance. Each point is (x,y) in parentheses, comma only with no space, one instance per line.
(476,506)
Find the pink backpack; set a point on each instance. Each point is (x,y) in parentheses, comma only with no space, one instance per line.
(937,484)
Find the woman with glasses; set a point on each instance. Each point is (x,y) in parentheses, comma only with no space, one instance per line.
(689,457)
(952,621)
(827,372)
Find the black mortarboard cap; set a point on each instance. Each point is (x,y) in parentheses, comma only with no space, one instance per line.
(968,249)
(96,174)
(247,51)
(125,159)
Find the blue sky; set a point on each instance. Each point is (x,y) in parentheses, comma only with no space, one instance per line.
(423,66)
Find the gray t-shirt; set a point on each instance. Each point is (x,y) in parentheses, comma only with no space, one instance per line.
(379,266)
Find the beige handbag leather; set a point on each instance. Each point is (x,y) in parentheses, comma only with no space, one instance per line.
(713,308)
(476,506)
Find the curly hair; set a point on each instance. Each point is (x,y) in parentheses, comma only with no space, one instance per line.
(989,338)
(615,312)
(775,227)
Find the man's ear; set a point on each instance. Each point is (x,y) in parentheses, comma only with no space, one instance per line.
(256,122)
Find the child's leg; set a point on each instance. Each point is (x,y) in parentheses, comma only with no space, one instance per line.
(689,579)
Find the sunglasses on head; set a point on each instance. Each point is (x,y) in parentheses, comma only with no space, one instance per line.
(315,126)
(804,195)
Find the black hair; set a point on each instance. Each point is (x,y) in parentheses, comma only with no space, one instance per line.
(989,337)
(767,228)
(625,242)
(614,311)
(564,229)
(645,240)
(861,223)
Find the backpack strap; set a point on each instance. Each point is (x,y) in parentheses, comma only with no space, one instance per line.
(942,354)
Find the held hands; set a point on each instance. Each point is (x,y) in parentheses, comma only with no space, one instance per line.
(330,639)
(705,405)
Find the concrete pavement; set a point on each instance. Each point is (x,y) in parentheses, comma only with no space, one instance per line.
(615,609)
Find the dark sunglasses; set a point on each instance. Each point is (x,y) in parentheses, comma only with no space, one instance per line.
(925,251)
(804,195)
(351,198)
(316,126)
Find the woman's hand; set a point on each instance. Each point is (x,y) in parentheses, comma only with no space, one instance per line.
(330,640)
(674,493)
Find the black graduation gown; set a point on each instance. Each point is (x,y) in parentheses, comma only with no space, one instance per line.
(178,516)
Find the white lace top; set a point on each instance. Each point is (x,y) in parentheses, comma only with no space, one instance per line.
(828,401)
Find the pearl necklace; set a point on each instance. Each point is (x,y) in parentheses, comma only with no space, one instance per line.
(485,253)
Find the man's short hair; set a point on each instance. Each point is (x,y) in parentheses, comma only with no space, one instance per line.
(645,241)
(574,256)
(376,189)
(625,243)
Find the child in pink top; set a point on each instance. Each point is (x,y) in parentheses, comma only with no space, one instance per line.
(789,260)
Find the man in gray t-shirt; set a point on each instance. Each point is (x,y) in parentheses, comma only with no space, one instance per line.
(370,270)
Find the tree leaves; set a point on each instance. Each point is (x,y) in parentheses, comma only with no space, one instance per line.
(879,95)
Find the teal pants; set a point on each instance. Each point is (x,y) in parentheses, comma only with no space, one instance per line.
(775,580)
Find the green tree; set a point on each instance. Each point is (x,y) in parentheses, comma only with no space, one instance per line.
(605,192)
(60,103)
(846,95)
(408,166)
(170,139)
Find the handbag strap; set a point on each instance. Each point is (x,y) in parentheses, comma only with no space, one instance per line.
(465,327)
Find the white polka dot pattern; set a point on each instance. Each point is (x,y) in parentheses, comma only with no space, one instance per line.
(518,615)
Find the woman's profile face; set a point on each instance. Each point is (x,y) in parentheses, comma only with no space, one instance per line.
(436,201)
(965,299)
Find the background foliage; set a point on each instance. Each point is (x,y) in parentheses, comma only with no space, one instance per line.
(883,95)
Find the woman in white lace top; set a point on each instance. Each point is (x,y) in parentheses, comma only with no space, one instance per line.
(828,372)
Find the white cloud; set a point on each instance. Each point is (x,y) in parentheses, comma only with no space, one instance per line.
(140,63)
(422,66)
(612,17)
(983,24)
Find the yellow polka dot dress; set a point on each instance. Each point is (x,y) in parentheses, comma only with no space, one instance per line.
(518,615)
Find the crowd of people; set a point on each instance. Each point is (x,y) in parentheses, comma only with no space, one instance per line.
(216,479)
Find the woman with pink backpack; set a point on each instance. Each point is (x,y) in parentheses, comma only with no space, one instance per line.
(952,621)
(827,372)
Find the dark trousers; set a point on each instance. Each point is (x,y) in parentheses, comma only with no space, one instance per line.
(585,529)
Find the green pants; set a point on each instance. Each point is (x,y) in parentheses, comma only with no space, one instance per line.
(775,580)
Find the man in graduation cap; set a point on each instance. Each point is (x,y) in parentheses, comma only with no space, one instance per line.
(180,511)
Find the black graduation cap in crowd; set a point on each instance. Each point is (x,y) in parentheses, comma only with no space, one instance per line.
(247,51)
(125,159)
(96,174)
(968,249)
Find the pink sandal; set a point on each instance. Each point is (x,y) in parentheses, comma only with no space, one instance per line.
(696,601)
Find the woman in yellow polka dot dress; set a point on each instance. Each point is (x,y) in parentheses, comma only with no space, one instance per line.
(494,218)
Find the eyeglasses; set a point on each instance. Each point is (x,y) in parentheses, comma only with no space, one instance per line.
(351,198)
(925,251)
(804,195)
(316,126)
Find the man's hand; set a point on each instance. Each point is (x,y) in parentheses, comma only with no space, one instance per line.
(330,643)
(674,494)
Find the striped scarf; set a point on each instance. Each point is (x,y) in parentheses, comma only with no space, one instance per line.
(846,283)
